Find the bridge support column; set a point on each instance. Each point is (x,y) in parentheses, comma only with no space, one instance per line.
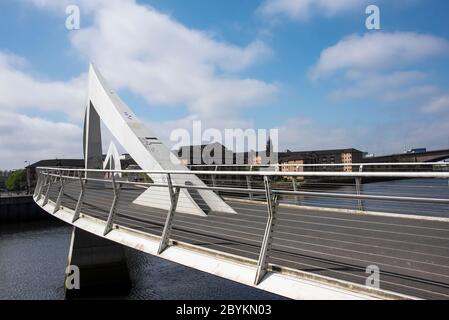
(102,266)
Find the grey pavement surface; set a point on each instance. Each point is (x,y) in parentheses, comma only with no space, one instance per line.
(412,255)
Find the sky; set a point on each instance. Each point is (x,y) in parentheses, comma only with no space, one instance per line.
(310,69)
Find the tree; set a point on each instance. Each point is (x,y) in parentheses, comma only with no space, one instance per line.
(16,181)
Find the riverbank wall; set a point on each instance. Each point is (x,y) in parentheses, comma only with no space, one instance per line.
(22,208)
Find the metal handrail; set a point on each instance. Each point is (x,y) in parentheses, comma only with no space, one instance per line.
(274,191)
(367,164)
(441,175)
(267,195)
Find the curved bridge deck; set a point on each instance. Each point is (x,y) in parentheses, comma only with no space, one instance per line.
(412,255)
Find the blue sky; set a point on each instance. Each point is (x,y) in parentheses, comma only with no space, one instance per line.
(309,68)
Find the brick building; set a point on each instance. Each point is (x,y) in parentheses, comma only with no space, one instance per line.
(334,156)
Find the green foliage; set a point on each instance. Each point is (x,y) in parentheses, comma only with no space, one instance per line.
(16,181)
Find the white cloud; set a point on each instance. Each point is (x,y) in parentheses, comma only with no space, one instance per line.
(382,138)
(377,65)
(24,138)
(165,128)
(60,5)
(32,138)
(378,51)
(304,9)
(299,133)
(18,90)
(139,48)
(136,48)
(409,92)
(437,104)
(392,86)
(153,55)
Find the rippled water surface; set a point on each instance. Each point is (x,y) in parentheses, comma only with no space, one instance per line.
(33,257)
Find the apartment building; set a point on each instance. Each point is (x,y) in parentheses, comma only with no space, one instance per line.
(334,156)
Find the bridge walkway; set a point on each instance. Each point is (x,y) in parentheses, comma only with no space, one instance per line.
(412,255)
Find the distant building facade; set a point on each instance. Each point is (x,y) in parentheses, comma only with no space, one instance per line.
(126,161)
(218,154)
(417,150)
(65,163)
(205,154)
(324,157)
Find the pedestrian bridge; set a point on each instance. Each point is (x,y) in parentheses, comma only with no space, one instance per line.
(320,234)
(302,235)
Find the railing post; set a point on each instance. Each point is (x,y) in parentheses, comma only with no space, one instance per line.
(39,184)
(295,187)
(116,187)
(272,203)
(174,196)
(47,192)
(36,188)
(79,204)
(61,192)
(41,187)
(358,186)
(214,182)
(249,184)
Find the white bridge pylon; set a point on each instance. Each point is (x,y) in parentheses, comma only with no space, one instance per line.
(145,148)
(112,160)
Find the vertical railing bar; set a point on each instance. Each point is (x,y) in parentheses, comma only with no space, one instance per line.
(47,192)
(174,196)
(272,202)
(358,185)
(61,192)
(249,184)
(41,188)
(79,203)
(214,182)
(41,185)
(295,188)
(38,184)
(116,187)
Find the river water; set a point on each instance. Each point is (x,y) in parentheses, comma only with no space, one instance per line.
(418,188)
(33,257)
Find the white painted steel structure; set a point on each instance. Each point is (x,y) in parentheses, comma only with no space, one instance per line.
(275,238)
(144,147)
(112,160)
(220,263)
